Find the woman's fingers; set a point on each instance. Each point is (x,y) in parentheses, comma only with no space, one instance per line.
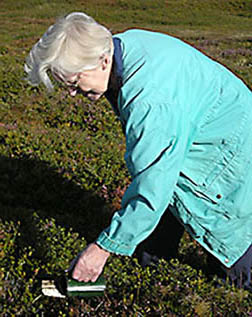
(90,263)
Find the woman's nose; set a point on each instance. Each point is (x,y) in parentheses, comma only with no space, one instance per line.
(72,92)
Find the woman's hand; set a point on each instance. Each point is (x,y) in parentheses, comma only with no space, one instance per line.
(90,263)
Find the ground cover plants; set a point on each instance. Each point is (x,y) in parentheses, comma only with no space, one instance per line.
(62,171)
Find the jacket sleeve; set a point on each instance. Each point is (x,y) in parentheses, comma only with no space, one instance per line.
(156,141)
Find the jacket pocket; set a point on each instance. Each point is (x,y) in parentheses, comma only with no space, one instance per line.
(220,178)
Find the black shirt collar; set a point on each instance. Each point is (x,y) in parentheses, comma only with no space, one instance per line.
(115,82)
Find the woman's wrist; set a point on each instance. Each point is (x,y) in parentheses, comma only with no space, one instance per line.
(104,251)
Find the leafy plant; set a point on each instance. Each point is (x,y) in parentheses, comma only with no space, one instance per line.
(62,172)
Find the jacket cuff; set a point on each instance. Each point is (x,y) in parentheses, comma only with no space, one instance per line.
(113,246)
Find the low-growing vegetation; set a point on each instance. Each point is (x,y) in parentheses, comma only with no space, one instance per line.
(62,172)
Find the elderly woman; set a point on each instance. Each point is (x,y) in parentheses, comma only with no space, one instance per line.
(187,122)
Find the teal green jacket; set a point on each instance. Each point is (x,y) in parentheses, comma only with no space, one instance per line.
(188,129)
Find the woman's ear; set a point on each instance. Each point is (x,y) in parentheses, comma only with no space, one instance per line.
(106,61)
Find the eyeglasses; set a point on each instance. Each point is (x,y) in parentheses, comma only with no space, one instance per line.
(72,85)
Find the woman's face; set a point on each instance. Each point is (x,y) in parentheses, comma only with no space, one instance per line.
(91,83)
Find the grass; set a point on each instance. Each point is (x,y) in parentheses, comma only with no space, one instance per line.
(63,158)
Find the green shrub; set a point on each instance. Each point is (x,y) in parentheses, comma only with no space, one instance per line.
(166,289)
(63,159)
(25,258)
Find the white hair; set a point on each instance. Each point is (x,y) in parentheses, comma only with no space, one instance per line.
(73,44)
